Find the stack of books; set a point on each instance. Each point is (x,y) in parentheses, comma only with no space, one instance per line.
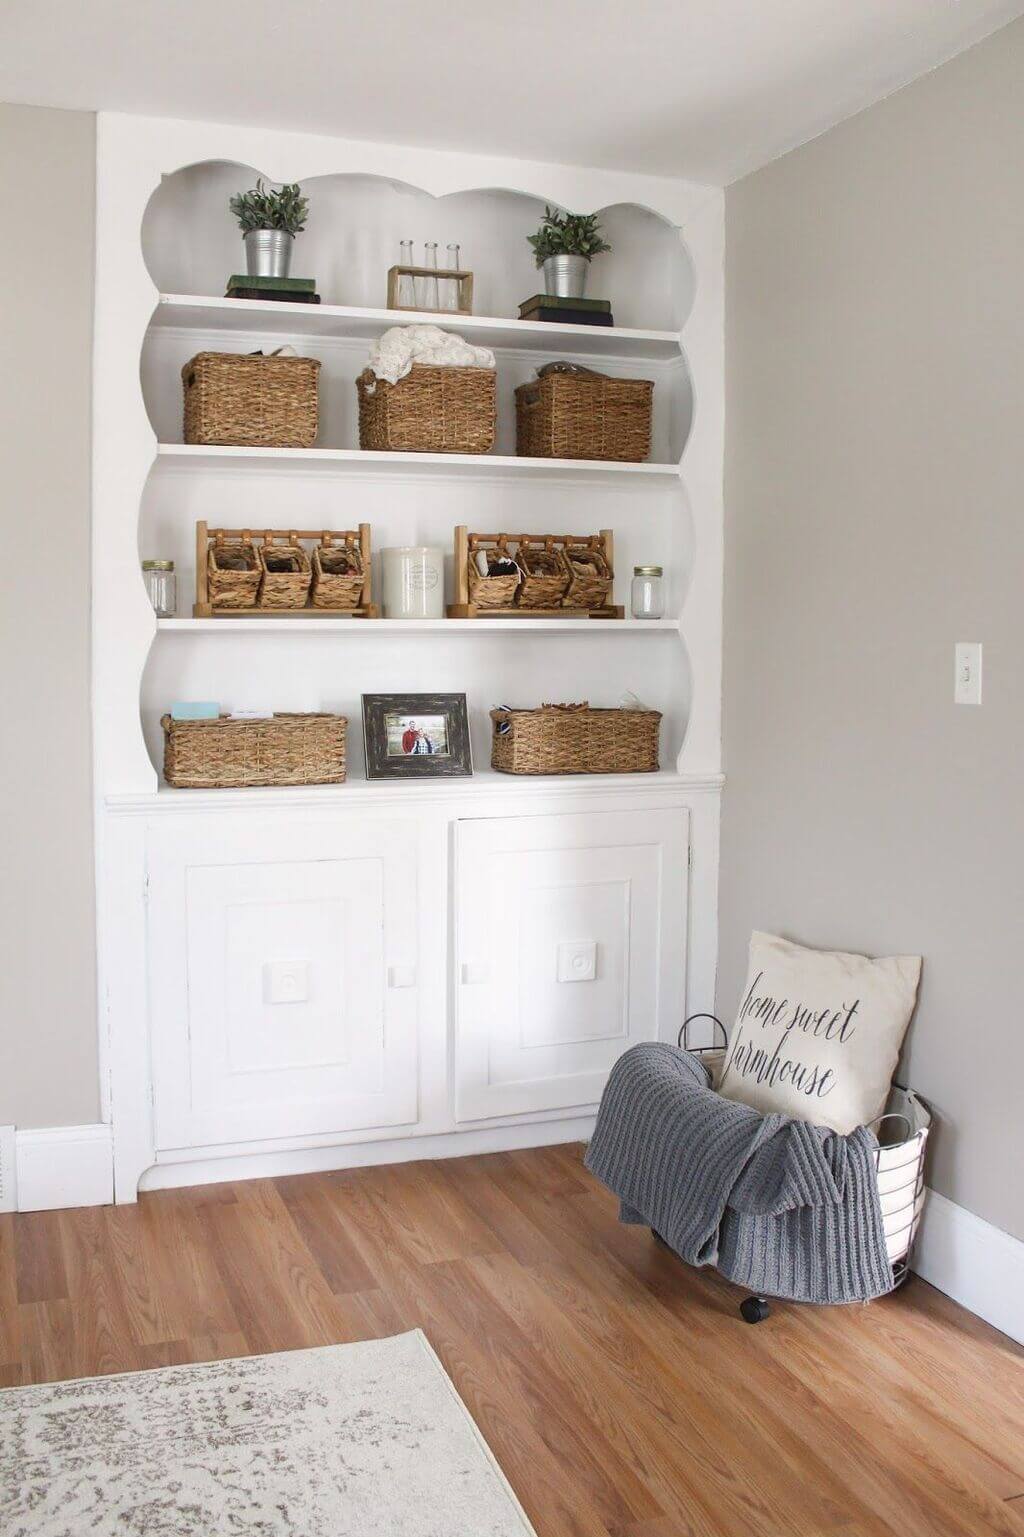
(287,290)
(573,312)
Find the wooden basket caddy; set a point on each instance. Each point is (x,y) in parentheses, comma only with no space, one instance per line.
(431,411)
(574,739)
(235,754)
(251,401)
(560,576)
(584,416)
(243,573)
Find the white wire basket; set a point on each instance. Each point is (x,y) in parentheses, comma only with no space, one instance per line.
(902,1133)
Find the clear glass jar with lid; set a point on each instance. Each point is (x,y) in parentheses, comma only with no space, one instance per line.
(162,587)
(647,593)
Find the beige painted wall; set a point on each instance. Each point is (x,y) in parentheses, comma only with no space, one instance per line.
(48,1072)
(875,515)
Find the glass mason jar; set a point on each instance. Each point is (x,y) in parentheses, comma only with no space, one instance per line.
(647,593)
(162,587)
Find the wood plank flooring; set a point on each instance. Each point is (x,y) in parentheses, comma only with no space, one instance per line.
(620,1391)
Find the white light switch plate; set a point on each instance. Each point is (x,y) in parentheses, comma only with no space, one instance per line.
(285,981)
(577,960)
(967,673)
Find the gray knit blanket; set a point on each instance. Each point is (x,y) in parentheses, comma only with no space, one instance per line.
(779,1206)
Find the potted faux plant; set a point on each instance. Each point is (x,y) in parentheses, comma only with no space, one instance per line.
(564,246)
(270,221)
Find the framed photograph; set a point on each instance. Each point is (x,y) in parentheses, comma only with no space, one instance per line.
(416,736)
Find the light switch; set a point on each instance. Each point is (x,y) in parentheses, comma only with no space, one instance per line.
(967,674)
(285,981)
(577,960)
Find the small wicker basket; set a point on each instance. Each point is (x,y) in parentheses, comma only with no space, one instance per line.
(491,591)
(251,401)
(584,416)
(431,411)
(234,754)
(233,572)
(545,574)
(574,739)
(337,574)
(287,573)
(590,576)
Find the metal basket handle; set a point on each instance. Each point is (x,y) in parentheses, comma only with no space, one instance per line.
(698,1050)
(893,1115)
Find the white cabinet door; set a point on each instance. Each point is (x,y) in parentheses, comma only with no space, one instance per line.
(282,966)
(571,947)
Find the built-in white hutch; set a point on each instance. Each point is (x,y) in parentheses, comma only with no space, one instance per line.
(427,929)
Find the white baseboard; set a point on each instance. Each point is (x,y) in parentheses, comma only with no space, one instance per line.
(212,1170)
(976,1264)
(61,1166)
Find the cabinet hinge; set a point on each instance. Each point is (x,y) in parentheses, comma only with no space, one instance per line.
(689,856)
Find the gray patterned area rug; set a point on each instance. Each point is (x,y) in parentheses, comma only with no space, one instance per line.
(364,1440)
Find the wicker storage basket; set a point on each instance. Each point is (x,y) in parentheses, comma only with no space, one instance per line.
(590,576)
(286,574)
(250,401)
(584,416)
(545,574)
(233,572)
(337,574)
(491,591)
(574,739)
(430,411)
(230,754)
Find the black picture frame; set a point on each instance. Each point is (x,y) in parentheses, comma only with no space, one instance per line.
(386,758)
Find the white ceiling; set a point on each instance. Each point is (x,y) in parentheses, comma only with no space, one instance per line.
(707,89)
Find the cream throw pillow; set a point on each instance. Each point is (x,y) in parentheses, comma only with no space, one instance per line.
(818,1032)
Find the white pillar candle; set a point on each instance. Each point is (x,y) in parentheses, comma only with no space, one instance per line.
(413,582)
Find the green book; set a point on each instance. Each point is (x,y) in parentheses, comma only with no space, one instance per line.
(283,285)
(559,302)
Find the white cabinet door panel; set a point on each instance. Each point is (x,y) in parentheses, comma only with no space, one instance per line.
(272,1010)
(571,941)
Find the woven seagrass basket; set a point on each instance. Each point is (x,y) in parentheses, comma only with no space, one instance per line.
(590,576)
(491,591)
(584,416)
(574,739)
(233,572)
(545,574)
(337,574)
(250,401)
(233,754)
(287,574)
(431,411)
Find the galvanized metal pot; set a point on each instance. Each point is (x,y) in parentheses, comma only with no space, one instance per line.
(268,253)
(566,276)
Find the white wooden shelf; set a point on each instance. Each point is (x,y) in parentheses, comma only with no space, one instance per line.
(484,782)
(200,312)
(355,461)
(322,624)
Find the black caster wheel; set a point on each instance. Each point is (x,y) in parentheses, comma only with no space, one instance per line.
(754,1310)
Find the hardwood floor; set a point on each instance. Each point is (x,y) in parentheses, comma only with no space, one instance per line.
(620,1391)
